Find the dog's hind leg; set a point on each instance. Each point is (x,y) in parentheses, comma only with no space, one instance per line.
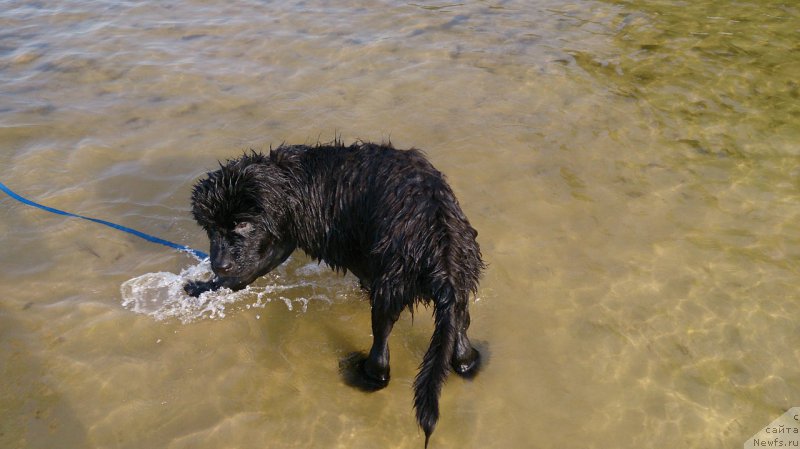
(371,372)
(466,359)
(376,366)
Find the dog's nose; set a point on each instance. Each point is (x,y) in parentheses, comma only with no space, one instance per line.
(223,267)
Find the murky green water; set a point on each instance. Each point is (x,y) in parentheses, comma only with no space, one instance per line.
(632,168)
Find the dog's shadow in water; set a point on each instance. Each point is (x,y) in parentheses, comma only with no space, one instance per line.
(351,368)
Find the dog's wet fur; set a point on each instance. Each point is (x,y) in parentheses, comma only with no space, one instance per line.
(386,215)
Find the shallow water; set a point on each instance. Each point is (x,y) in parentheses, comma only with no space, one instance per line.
(632,168)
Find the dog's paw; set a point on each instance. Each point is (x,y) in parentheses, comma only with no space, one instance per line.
(353,373)
(468,367)
(196,288)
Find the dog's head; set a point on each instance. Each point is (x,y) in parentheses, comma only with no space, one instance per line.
(243,207)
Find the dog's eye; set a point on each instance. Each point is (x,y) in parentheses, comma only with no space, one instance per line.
(242,227)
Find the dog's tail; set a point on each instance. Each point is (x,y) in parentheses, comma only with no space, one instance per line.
(436,363)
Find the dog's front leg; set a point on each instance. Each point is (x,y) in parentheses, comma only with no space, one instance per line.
(197,288)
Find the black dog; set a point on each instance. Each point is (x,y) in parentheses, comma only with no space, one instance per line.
(384,214)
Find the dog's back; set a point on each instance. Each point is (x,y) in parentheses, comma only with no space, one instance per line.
(384,212)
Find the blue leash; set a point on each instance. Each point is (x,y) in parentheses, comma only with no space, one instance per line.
(199,254)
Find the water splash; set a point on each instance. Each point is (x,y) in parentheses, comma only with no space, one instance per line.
(161,295)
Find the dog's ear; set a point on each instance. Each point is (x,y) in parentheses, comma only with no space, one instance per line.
(229,193)
(271,189)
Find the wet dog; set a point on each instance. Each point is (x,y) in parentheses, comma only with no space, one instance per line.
(386,215)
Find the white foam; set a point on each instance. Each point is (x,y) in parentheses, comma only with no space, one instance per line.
(161,295)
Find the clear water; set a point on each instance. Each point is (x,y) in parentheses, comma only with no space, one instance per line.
(632,168)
